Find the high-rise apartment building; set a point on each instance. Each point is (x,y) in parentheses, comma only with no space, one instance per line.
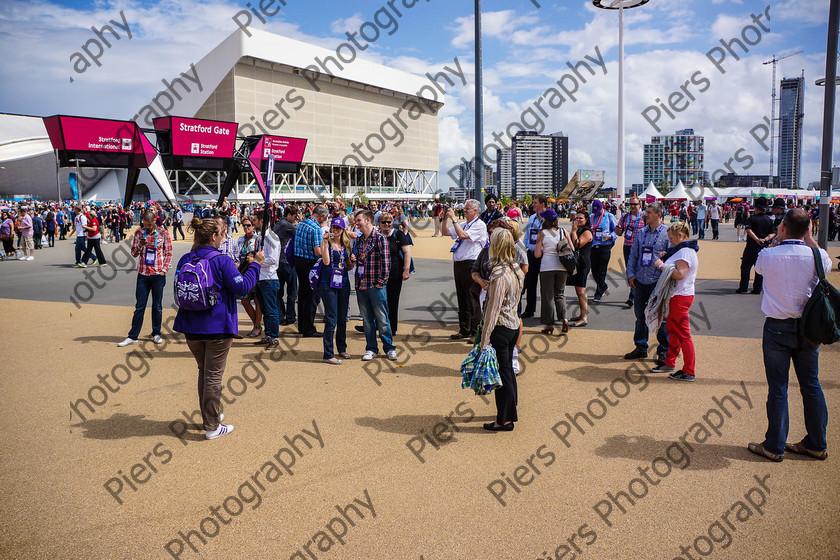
(539,163)
(467,178)
(504,172)
(791,111)
(674,158)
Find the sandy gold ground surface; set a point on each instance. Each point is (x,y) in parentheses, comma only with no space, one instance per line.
(55,465)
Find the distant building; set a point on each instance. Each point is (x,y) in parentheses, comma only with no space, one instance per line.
(675,158)
(539,163)
(458,193)
(791,112)
(504,172)
(731,180)
(466,178)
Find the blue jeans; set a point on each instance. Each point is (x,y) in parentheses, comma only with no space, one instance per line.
(701,228)
(640,335)
(289,282)
(267,294)
(336,303)
(373,305)
(781,343)
(146,284)
(81,245)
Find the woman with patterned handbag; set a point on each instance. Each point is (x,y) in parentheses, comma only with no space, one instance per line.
(501,324)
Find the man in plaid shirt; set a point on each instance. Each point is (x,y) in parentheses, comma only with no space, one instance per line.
(154,247)
(373,264)
(308,237)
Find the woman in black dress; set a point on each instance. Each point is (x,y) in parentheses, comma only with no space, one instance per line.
(581,235)
(399,246)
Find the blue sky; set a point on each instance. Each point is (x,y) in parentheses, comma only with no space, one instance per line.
(526,51)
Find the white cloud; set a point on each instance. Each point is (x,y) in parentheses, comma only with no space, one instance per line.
(810,12)
(352,23)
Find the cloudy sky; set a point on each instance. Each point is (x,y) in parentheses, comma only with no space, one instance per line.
(526,51)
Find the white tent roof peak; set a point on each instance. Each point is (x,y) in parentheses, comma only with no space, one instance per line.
(651,191)
(678,193)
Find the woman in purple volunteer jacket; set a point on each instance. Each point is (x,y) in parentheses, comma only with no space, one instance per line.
(210,332)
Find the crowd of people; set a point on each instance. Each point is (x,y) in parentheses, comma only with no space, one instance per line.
(290,257)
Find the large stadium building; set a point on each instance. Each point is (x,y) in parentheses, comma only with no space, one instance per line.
(371,130)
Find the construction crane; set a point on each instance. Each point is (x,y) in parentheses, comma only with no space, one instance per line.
(773,61)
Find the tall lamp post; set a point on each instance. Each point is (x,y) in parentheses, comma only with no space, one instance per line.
(830,84)
(620,5)
(479,109)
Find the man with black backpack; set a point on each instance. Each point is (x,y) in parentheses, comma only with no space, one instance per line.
(790,278)
(154,247)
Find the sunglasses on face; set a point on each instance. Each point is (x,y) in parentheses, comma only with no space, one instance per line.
(633,204)
(384,223)
(247,225)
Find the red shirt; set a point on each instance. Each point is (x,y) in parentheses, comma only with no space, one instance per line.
(94,223)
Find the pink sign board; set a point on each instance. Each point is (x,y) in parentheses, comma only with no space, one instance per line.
(281,147)
(92,135)
(199,138)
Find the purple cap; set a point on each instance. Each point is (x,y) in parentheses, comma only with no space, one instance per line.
(549,215)
(596,206)
(337,222)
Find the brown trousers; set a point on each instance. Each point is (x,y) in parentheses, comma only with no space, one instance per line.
(211,357)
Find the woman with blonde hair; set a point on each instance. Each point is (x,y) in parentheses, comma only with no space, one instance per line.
(502,323)
(683,256)
(210,332)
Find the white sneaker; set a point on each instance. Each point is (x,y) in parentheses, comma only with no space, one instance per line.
(157,339)
(127,342)
(30,258)
(392,355)
(222,430)
(368,356)
(515,361)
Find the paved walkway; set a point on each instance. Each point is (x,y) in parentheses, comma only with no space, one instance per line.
(388,460)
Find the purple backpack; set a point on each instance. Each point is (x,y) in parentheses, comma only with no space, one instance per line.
(195,285)
(289,251)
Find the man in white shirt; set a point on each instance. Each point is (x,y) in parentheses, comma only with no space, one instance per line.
(714,217)
(80,222)
(790,278)
(470,237)
(269,284)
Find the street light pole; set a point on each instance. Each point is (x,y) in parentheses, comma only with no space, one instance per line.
(479,109)
(57,177)
(620,5)
(828,121)
(620,171)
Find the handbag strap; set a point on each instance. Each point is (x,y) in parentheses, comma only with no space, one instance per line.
(818,261)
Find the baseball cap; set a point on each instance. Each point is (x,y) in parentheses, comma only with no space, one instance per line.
(337,222)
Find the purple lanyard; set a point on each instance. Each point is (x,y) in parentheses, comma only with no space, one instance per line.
(792,242)
(655,239)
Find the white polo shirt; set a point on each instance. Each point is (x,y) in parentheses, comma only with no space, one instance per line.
(468,249)
(790,275)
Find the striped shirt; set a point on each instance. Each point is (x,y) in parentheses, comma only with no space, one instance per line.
(502,300)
